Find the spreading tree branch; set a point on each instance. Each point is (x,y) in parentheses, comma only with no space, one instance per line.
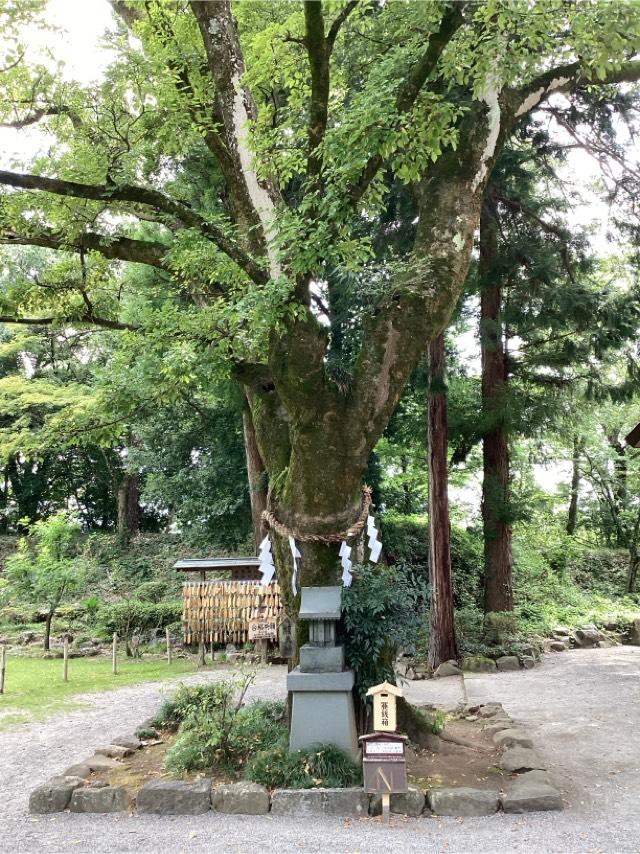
(146,196)
(90,318)
(236,106)
(319,47)
(408,93)
(114,248)
(564,78)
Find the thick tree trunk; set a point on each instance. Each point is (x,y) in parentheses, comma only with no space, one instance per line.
(47,631)
(572,515)
(442,633)
(128,506)
(498,595)
(256,475)
(634,566)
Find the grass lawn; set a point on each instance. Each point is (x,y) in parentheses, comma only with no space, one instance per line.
(34,687)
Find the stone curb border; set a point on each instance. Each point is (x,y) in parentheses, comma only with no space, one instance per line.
(530,791)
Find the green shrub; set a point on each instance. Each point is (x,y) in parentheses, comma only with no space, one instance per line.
(91,606)
(321,765)
(384,609)
(152,591)
(146,733)
(134,615)
(406,541)
(215,730)
(190,700)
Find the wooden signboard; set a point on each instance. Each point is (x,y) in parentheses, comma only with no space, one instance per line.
(384,763)
(263,629)
(383,777)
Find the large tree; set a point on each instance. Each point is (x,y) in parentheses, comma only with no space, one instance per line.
(294,133)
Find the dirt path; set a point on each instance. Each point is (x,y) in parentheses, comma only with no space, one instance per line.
(582,708)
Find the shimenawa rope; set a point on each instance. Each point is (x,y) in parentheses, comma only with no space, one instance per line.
(300,536)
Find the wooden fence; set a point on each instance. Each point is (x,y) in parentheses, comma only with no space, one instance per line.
(220,611)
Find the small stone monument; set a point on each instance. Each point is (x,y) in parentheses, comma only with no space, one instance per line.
(322,709)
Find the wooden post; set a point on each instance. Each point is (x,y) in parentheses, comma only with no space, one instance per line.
(65,658)
(3,665)
(201,649)
(114,654)
(168,636)
(386,804)
(263,646)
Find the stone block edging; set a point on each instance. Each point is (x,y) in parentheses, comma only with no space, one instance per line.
(530,788)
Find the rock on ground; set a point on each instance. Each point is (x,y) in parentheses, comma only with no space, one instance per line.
(99,763)
(53,796)
(531,792)
(478,664)
(463,801)
(512,738)
(447,668)
(114,751)
(520,759)
(508,662)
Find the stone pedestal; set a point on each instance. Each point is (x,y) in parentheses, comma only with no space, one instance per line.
(322,709)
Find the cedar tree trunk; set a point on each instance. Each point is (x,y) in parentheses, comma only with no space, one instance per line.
(572,515)
(634,566)
(498,594)
(128,506)
(47,630)
(442,632)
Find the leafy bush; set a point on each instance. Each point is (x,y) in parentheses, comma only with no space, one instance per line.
(91,606)
(406,541)
(152,591)
(189,700)
(135,615)
(320,765)
(383,610)
(146,733)
(215,730)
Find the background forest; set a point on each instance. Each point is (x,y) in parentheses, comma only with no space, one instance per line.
(124,446)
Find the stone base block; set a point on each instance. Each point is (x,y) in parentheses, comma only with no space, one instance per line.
(301,802)
(520,759)
(103,800)
(463,801)
(54,795)
(323,717)
(532,792)
(175,797)
(240,799)
(321,659)
(409,803)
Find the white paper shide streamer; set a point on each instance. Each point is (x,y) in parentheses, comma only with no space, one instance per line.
(345,551)
(375,545)
(294,575)
(267,567)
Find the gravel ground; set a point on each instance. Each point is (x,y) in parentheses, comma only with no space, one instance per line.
(582,708)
